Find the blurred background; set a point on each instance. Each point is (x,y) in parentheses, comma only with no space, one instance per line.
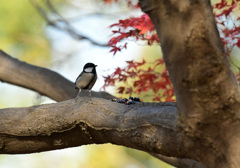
(63,35)
(34,31)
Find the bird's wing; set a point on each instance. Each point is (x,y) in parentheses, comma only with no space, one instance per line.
(94,78)
(76,80)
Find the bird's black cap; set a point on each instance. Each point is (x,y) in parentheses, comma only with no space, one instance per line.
(88,65)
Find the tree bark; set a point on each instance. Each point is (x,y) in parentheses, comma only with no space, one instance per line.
(206,91)
(180,163)
(146,126)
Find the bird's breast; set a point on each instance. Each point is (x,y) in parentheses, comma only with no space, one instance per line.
(84,80)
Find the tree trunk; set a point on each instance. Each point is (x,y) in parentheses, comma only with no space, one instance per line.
(206,91)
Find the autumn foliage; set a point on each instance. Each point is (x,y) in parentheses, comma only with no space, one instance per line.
(138,28)
(155,77)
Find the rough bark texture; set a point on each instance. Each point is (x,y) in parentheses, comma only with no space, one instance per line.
(206,91)
(180,163)
(146,126)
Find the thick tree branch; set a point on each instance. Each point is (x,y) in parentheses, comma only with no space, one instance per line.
(206,91)
(146,126)
(41,80)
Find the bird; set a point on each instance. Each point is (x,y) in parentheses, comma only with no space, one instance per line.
(87,78)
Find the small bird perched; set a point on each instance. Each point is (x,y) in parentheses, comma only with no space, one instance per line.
(87,78)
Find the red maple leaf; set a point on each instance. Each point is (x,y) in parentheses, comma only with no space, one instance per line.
(118,71)
(137,28)
(131,64)
(115,49)
(129,91)
(121,89)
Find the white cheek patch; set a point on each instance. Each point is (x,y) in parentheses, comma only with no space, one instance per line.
(88,69)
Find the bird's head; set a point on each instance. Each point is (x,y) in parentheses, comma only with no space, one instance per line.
(90,68)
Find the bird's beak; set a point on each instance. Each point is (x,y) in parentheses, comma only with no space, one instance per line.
(95,65)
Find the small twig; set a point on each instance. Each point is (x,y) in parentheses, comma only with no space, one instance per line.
(65,25)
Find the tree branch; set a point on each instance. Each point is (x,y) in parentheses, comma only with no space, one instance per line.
(41,80)
(146,126)
(179,163)
(61,23)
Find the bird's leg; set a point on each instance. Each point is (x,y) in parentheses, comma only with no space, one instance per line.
(89,92)
(78,93)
